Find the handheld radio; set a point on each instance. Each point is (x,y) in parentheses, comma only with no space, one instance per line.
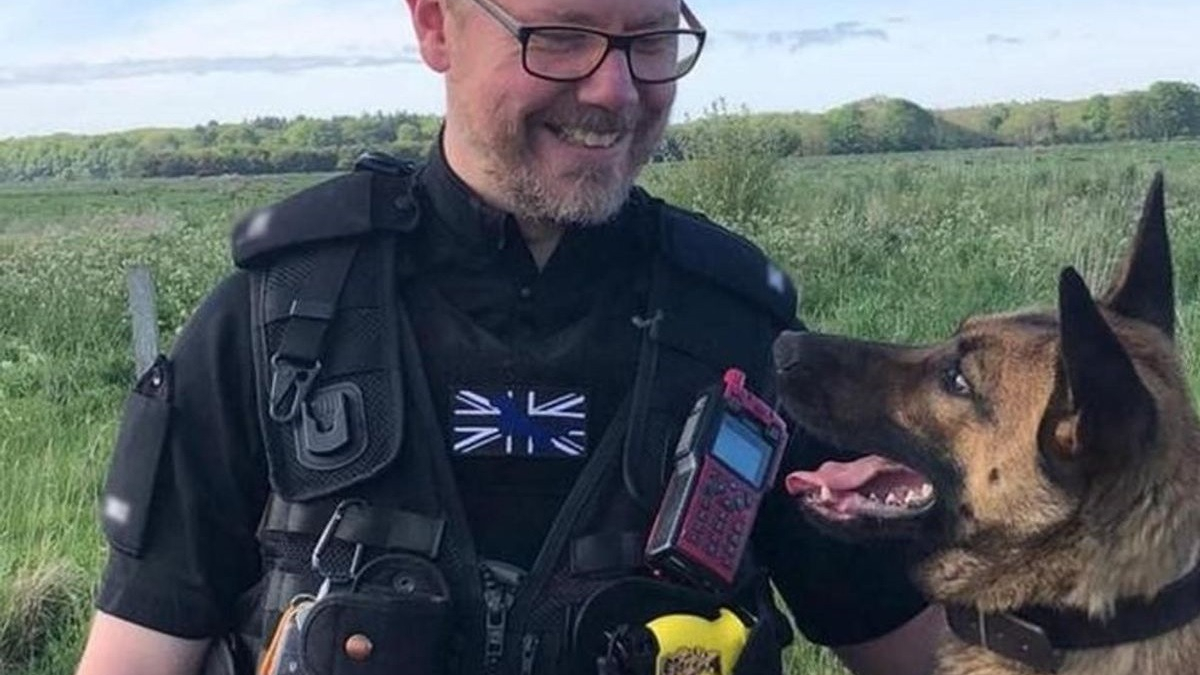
(725,461)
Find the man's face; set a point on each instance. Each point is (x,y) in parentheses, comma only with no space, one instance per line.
(551,151)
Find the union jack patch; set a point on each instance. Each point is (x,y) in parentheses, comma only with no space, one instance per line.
(519,422)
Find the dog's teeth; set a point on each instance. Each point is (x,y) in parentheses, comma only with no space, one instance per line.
(826,493)
(873,497)
(910,496)
(926,491)
(893,499)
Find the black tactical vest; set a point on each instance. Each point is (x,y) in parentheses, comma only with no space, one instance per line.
(348,424)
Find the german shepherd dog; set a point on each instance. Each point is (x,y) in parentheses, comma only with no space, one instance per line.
(1045,463)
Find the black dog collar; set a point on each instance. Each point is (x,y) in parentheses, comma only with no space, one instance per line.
(1039,637)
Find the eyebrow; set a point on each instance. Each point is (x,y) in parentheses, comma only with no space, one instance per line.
(667,19)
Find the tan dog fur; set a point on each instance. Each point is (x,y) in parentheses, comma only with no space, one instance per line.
(1050,495)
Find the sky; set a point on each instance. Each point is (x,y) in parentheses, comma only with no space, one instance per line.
(90,66)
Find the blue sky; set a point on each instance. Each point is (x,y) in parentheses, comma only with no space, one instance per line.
(99,65)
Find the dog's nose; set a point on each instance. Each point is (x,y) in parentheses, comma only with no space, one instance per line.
(785,349)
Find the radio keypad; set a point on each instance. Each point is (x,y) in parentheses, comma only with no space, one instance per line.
(719,526)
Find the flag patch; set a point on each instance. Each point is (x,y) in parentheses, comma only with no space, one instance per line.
(519,422)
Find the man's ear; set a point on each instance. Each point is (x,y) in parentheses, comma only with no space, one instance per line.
(429,19)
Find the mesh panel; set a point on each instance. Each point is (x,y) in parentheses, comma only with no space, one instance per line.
(293,553)
(289,275)
(288,552)
(363,286)
(359,335)
(354,346)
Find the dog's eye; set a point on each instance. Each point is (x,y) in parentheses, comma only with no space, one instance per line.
(955,383)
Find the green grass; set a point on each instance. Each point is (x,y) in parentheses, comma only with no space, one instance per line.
(895,247)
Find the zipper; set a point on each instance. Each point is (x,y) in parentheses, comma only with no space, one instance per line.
(529,645)
(501,583)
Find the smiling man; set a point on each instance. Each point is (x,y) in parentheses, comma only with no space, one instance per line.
(423,426)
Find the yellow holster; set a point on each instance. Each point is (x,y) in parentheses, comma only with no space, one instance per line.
(693,645)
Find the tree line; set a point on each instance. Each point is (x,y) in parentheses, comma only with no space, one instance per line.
(1166,110)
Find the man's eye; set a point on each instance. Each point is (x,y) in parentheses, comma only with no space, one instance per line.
(955,383)
(654,45)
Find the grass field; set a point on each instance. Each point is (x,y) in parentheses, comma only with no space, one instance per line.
(895,247)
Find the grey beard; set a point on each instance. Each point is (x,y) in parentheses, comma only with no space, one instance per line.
(591,199)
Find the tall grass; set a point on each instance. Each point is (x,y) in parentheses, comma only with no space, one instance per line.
(895,247)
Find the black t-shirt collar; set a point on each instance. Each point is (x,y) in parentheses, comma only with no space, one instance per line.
(458,207)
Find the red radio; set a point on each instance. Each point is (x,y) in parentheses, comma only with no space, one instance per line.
(725,461)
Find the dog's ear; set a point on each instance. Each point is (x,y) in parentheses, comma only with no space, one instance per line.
(1144,287)
(1111,413)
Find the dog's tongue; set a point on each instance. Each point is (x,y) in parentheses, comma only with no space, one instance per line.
(842,476)
(870,486)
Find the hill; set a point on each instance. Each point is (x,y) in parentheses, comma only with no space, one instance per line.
(1165,110)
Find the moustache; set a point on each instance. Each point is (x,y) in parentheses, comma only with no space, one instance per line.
(595,120)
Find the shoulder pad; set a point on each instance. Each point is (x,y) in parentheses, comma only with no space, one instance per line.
(381,162)
(700,246)
(352,204)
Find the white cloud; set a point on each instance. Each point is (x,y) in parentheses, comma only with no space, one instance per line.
(79,73)
(240,28)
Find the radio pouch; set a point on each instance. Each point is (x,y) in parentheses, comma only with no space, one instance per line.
(395,618)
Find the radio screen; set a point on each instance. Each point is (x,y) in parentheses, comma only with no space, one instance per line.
(743,449)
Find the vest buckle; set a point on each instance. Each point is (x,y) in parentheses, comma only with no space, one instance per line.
(290,382)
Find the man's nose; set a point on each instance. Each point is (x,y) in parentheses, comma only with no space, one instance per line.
(611,86)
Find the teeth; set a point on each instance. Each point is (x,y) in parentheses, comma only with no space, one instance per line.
(926,491)
(587,138)
(893,500)
(874,497)
(826,493)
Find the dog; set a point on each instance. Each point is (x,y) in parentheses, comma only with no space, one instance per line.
(1044,463)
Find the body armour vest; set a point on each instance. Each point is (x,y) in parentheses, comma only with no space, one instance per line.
(362,490)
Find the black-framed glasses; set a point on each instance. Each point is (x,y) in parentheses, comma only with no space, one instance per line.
(572,53)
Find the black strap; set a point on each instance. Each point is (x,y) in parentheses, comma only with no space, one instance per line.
(643,383)
(295,365)
(1039,636)
(374,526)
(586,486)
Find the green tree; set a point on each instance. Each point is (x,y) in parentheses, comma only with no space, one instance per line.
(900,125)
(1132,117)
(995,117)
(1035,124)
(1097,115)
(1175,109)
(846,130)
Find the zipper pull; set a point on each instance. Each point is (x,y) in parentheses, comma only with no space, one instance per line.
(500,584)
(498,601)
(529,645)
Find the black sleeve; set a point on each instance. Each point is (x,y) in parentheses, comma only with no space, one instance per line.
(187,482)
(839,593)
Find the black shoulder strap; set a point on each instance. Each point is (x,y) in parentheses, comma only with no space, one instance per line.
(376,196)
(318,311)
(337,212)
(295,364)
(701,247)
(715,302)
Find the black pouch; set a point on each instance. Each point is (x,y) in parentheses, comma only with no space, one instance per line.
(395,619)
(129,486)
(630,602)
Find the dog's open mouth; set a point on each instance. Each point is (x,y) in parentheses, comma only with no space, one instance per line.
(868,487)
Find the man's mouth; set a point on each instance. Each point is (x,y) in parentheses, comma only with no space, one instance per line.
(869,487)
(584,137)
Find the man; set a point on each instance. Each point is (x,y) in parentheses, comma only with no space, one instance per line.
(518,259)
